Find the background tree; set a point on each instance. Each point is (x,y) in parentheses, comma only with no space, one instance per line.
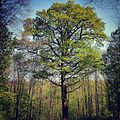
(112,72)
(105,3)
(112,5)
(11,10)
(8,14)
(21,95)
(5,52)
(67,33)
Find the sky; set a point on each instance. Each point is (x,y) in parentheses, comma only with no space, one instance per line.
(107,15)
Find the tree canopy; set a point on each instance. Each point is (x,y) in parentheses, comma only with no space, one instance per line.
(67,33)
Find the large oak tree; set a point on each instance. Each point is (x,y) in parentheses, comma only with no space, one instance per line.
(68,34)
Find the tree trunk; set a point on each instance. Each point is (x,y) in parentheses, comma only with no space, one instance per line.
(17,106)
(18,95)
(50,106)
(40,102)
(56,117)
(85,99)
(78,108)
(65,115)
(102,100)
(83,102)
(28,102)
(89,98)
(31,101)
(96,95)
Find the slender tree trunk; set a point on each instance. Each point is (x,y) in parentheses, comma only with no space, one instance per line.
(49,106)
(17,96)
(85,98)
(28,102)
(29,106)
(78,108)
(96,95)
(31,101)
(56,117)
(40,102)
(83,101)
(17,106)
(89,98)
(102,99)
(108,95)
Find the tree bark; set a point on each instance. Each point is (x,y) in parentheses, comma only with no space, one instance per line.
(96,95)
(78,108)
(65,115)
(17,106)
(85,99)
(40,102)
(17,95)
(89,97)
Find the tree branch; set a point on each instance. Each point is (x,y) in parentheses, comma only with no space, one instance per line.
(75,88)
(75,82)
(54,83)
(41,55)
(53,50)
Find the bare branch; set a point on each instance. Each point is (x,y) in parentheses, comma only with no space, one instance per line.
(76,82)
(54,83)
(75,88)
(34,52)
